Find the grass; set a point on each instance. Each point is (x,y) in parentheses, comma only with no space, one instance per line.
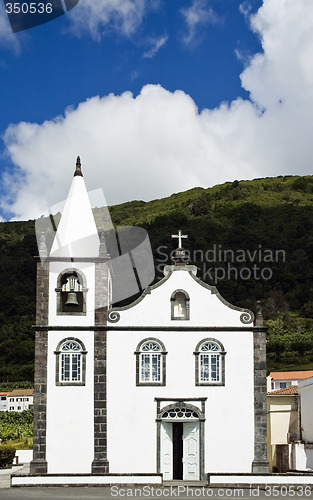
(20,444)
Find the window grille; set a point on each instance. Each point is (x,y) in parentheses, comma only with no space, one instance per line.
(180,413)
(70,363)
(150,363)
(210,363)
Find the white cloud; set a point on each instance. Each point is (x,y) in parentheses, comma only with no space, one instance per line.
(284,72)
(156,44)
(98,16)
(158,143)
(198,14)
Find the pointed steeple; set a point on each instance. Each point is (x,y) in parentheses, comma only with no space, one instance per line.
(77,234)
(78,170)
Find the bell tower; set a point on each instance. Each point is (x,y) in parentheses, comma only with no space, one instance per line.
(73,296)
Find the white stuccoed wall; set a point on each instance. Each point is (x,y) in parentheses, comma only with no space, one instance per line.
(229,424)
(305,389)
(205,308)
(70,421)
(70,413)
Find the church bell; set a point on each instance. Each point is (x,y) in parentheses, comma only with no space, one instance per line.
(72,295)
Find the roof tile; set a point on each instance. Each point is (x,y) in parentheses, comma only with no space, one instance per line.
(286,391)
(291,375)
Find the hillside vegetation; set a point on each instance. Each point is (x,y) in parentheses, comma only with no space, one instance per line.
(252,239)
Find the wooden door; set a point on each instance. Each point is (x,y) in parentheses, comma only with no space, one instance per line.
(191,451)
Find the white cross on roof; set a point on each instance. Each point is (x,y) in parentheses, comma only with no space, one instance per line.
(180,236)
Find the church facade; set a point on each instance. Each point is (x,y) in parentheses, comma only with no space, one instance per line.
(172,384)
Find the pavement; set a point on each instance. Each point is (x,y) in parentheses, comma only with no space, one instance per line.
(5,474)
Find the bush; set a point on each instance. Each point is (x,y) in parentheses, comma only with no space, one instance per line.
(6,456)
(16,425)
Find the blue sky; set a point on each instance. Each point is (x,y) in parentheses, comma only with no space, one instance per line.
(156,96)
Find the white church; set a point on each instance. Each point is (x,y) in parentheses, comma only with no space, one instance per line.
(172,385)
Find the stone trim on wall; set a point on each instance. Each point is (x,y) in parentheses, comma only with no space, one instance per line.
(260,463)
(39,464)
(42,294)
(101,293)
(176,328)
(179,402)
(100,464)
(247,316)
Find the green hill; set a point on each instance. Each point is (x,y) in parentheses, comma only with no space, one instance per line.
(252,239)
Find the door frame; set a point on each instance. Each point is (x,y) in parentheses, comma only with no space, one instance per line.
(181,403)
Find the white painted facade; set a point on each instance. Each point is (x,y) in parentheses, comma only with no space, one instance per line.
(305,389)
(108,419)
(229,409)
(3,401)
(69,413)
(19,400)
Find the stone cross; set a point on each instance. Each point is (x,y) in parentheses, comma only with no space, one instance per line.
(180,236)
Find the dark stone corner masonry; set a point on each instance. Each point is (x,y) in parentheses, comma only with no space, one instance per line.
(260,463)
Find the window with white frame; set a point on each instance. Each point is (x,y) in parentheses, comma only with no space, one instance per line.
(70,362)
(210,363)
(150,363)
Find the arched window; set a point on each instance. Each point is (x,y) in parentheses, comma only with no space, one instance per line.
(71,292)
(180,305)
(150,363)
(70,362)
(210,363)
(180,411)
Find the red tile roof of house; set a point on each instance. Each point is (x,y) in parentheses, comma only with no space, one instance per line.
(287,391)
(291,375)
(4,393)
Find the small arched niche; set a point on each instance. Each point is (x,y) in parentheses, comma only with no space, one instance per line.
(71,292)
(180,305)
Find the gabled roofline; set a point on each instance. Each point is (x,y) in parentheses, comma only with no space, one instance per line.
(246,317)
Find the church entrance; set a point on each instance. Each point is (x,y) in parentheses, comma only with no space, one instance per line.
(180,450)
